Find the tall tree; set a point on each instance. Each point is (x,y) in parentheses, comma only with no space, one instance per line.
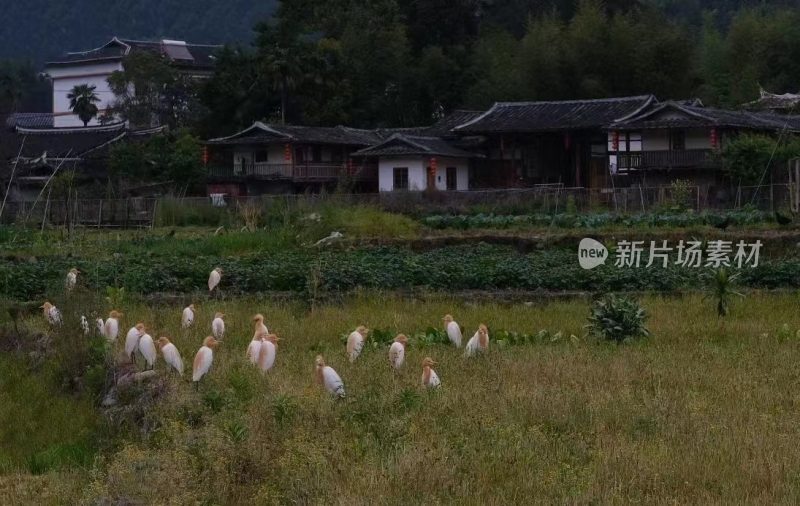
(83,102)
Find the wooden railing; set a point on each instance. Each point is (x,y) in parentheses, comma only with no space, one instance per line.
(297,172)
(667,159)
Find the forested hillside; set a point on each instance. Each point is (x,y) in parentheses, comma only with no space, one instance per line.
(38,29)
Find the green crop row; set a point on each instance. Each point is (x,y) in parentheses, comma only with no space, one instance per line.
(479,267)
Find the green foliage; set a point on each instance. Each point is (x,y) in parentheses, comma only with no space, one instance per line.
(747,157)
(168,158)
(617,319)
(720,287)
(83,102)
(680,193)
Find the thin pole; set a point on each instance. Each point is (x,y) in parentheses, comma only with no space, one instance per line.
(11,179)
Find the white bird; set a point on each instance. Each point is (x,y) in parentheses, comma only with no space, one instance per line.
(203,359)
(479,342)
(132,340)
(218,326)
(72,279)
(259,327)
(453,330)
(51,314)
(397,352)
(85,325)
(187,317)
(328,378)
(213,278)
(355,342)
(171,355)
(267,352)
(254,349)
(148,350)
(101,327)
(112,325)
(429,377)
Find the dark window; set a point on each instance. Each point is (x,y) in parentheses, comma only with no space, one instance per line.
(299,155)
(401,178)
(452,178)
(261,155)
(677,140)
(316,154)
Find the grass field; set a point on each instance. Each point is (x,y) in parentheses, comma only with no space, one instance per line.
(702,412)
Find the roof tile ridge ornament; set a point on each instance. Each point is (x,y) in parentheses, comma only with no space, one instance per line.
(479,117)
(648,101)
(257,125)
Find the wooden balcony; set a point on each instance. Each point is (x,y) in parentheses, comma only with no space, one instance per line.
(674,159)
(298,172)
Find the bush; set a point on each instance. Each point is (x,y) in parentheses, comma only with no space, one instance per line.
(618,319)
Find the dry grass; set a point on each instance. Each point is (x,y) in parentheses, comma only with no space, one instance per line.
(700,413)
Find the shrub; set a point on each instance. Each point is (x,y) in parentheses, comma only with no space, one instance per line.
(617,319)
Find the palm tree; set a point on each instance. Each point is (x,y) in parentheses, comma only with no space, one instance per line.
(82,101)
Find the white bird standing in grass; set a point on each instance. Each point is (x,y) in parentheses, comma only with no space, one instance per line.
(203,359)
(479,342)
(187,317)
(101,327)
(132,340)
(429,377)
(171,355)
(72,279)
(355,342)
(218,326)
(214,278)
(328,378)
(453,330)
(397,352)
(148,350)
(254,349)
(51,314)
(112,325)
(267,352)
(84,325)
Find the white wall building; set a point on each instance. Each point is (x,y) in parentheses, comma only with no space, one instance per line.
(93,67)
(418,163)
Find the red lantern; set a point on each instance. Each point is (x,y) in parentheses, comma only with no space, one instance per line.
(287,152)
(433,165)
(714,139)
(350,166)
(615,141)
(205,155)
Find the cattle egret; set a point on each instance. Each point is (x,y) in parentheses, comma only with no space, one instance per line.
(453,330)
(479,342)
(328,378)
(214,278)
(218,326)
(187,318)
(51,313)
(72,279)
(397,352)
(355,342)
(171,355)
(132,340)
(254,349)
(260,328)
(101,327)
(267,352)
(429,377)
(203,359)
(112,325)
(84,325)
(148,350)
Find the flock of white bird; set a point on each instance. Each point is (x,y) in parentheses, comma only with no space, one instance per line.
(262,349)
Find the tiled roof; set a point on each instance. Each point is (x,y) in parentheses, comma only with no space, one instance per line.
(402,144)
(201,54)
(30,120)
(554,116)
(444,127)
(262,133)
(678,115)
(774,102)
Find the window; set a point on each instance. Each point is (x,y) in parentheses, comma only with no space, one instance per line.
(261,155)
(677,140)
(452,178)
(299,155)
(401,178)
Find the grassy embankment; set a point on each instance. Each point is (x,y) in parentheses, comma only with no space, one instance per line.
(702,412)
